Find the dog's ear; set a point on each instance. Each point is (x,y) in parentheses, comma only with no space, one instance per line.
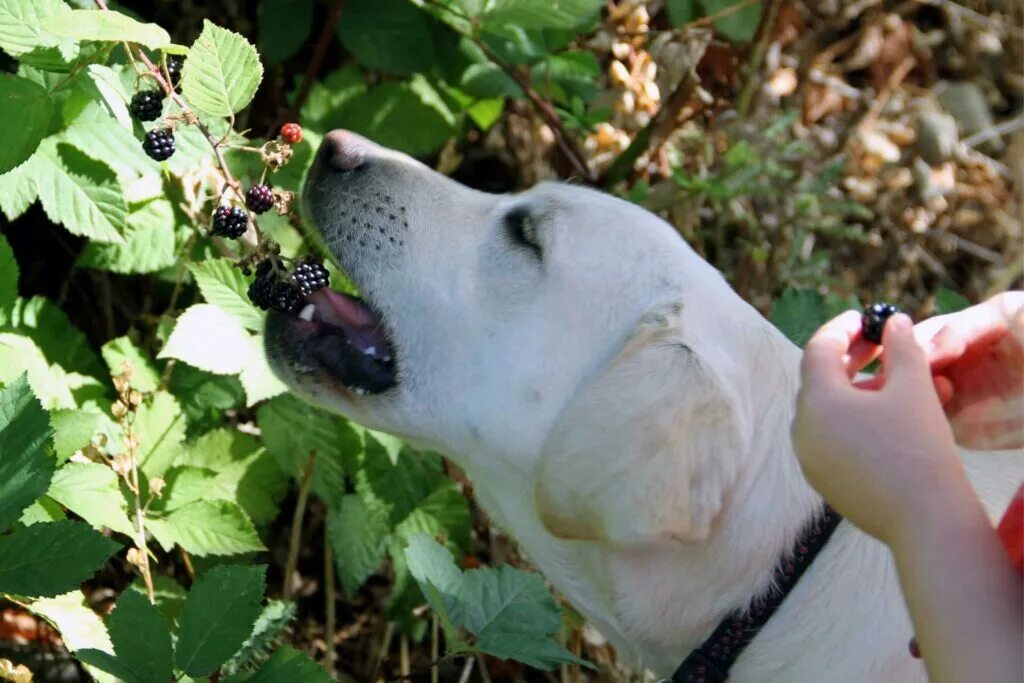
(650,447)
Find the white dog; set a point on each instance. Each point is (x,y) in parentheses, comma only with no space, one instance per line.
(621,411)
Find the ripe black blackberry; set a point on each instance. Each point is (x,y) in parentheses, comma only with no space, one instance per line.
(872,322)
(230,222)
(309,276)
(174,66)
(147,105)
(269,291)
(259,198)
(159,144)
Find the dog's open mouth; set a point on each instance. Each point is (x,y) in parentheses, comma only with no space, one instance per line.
(346,337)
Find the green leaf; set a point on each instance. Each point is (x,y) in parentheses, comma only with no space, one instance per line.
(284,27)
(204,397)
(682,12)
(44,509)
(222,72)
(443,514)
(329,99)
(76,193)
(292,429)
(23,101)
(224,285)
(169,596)
(948,301)
(20,355)
(288,664)
(432,565)
(160,427)
(22,25)
(48,559)
(357,532)
(148,242)
(93,135)
(400,484)
(60,342)
(798,313)
(111,92)
(388,35)
(274,619)
(8,275)
(512,613)
(17,190)
(218,617)
(25,465)
(567,75)
(141,638)
(410,117)
(91,491)
(739,26)
(107,662)
(258,379)
(488,80)
(117,352)
(211,339)
(101,25)
(79,626)
(75,429)
(540,13)
(207,527)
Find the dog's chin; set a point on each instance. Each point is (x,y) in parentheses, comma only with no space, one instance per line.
(333,341)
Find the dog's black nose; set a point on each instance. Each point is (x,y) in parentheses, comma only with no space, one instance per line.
(343,150)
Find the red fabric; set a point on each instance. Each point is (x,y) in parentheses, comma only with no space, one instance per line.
(1011,530)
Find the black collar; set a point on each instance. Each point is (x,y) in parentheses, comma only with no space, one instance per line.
(710,663)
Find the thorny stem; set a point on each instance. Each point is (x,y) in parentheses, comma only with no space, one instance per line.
(296,530)
(140,513)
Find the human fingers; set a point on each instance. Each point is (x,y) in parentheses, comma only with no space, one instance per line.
(825,359)
(902,358)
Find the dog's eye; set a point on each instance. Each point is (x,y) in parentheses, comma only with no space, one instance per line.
(522,230)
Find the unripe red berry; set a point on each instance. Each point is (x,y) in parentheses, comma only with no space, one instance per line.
(292,133)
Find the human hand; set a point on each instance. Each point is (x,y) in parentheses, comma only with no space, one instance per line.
(878,456)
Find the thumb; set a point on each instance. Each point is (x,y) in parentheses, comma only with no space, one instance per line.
(902,357)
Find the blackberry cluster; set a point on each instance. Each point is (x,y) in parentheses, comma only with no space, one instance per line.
(159,144)
(147,105)
(230,222)
(310,276)
(872,322)
(268,291)
(174,66)
(259,198)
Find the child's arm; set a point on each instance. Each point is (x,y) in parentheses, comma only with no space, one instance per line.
(886,459)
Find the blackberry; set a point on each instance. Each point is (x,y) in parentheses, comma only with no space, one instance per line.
(174,65)
(292,133)
(230,222)
(147,105)
(259,198)
(872,322)
(267,291)
(159,144)
(309,276)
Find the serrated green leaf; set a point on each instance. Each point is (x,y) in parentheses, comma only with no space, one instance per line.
(117,352)
(400,484)
(113,145)
(44,509)
(204,396)
(22,24)
(20,355)
(211,339)
(160,427)
(488,80)
(75,195)
(798,313)
(533,650)
(561,77)
(273,620)
(148,242)
(539,13)
(110,664)
(258,379)
(141,638)
(17,191)
(357,532)
(79,626)
(292,429)
(45,560)
(8,275)
(225,286)
(25,437)
(91,491)
(75,429)
(218,617)
(23,101)
(410,117)
(328,100)
(288,664)
(284,27)
(102,25)
(208,527)
(107,85)
(444,513)
(169,596)
(434,569)
(60,342)
(388,35)
(222,73)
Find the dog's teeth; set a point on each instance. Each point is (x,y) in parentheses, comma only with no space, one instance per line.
(307,312)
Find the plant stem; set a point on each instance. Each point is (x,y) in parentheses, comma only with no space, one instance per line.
(140,514)
(434,645)
(756,58)
(331,624)
(296,530)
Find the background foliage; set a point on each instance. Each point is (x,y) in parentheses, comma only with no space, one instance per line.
(161,518)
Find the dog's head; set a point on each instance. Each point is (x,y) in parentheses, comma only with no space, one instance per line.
(508,330)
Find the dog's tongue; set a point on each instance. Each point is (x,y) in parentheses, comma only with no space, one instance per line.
(360,323)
